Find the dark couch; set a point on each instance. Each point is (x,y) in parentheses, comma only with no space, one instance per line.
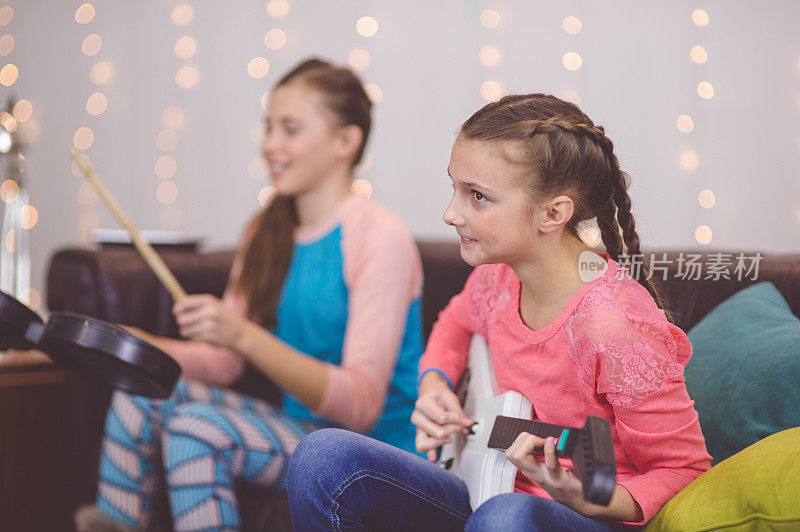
(114,284)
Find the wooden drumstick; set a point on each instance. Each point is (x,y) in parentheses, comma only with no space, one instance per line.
(150,256)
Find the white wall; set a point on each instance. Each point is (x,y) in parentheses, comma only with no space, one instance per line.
(636,79)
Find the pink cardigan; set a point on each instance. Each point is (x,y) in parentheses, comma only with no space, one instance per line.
(610,353)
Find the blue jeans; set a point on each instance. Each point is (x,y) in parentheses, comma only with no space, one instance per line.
(340,480)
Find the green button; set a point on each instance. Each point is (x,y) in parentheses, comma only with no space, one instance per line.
(562,440)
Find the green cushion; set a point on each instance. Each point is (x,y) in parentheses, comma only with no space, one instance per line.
(756,489)
(744,375)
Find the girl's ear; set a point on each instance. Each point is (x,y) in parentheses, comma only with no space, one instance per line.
(349,140)
(555,214)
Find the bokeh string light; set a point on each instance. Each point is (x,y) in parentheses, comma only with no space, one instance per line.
(689,159)
(489,56)
(572,61)
(187,77)
(100,73)
(360,59)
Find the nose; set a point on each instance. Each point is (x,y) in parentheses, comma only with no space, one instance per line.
(451,215)
(268,145)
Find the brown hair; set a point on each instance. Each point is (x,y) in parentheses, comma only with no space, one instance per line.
(567,154)
(269,240)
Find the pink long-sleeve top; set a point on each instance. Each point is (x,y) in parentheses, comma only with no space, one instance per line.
(382,272)
(611,353)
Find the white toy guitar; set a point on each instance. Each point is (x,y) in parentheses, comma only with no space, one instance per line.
(478,458)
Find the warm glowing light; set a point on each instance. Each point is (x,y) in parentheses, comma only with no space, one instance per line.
(700,17)
(172,117)
(97,104)
(6,14)
(367,26)
(363,187)
(171,218)
(23,110)
(590,236)
(572,25)
(83,138)
(88,222)
(101,73)
(86,194)
(258,67)
(698,54)
(685,124)
(92,44)
(689,160)
(490,19)
(359,59)
(706,199)
(31,298)
(257,168)
(703,234)
(167,192)
(5,141)
(490,55)
(274,39)
(84,14)
(705,90)
(572,61)
(8,121)
(74,167)
(6,44)
(187,76)
(9,191)
(265,194)
(182,14)
(167,140)
(28,216)
(264,100)
(491,91)
(165,167)
(185,47)
(374,92)
(570,95)
(11,241)
(277,8)
(9,74)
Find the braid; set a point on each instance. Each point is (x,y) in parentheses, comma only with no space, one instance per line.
(616,213)
(609,230)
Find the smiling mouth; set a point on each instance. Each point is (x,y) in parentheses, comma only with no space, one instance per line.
(278,169)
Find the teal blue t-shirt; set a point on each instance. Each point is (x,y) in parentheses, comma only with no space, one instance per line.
(312,317)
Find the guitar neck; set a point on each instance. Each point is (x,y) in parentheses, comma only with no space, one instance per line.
(506,429)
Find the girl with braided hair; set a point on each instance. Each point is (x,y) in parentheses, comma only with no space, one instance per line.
(528,171)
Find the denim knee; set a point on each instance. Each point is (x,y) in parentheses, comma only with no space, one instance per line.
(320,458)
(512,511)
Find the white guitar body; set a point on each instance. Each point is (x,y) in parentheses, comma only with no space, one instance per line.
(486,472)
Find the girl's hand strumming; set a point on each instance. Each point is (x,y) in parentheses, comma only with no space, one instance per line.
(437,415)
(563,485)
(205,318)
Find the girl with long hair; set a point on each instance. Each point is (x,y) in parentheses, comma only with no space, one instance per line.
(323,299)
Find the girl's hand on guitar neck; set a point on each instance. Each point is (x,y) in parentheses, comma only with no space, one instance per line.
(563,485)
(437,415)
(205,318)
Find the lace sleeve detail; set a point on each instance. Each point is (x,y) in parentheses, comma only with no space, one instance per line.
(624,344)
(489,292)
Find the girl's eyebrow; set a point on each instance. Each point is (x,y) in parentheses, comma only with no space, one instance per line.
(469,185)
